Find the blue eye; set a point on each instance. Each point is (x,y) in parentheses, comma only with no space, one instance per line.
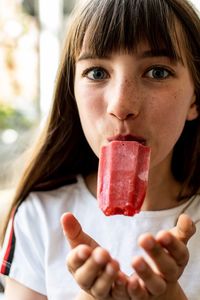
(158,73)
(96,74)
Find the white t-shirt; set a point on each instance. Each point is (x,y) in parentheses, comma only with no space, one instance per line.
(35,254)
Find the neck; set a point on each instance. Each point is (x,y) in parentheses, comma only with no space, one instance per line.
(162,193)
(163,190)
(91,183)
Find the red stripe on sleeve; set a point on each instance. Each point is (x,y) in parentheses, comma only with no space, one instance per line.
(8,248)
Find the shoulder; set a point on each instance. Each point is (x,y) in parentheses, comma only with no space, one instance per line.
(41,203)
(32,222)
(47,207)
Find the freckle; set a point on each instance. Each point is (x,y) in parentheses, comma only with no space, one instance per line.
(127,82)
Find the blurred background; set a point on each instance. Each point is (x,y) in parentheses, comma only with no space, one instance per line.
(31,35)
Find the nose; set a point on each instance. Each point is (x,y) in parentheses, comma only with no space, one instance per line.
(123,101)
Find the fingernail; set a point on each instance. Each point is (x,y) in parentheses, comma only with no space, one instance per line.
(167,240)
(110,270)
(98,258)
(83,255)
(150,244)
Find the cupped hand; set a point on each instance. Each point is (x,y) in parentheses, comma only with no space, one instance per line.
(156,275)
(95,271)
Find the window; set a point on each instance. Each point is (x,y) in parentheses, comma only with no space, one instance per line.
(27,74)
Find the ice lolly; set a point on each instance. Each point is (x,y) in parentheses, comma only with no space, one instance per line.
(122,177)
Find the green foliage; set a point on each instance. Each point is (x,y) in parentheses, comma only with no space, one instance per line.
(12,118)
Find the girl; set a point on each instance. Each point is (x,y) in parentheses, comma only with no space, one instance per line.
(130,70)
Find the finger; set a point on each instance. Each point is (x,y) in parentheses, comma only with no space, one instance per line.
(161,262)
(153,282)
(176,248)
(74,233)
(103,284)
(136,288)
(87,274)
(184,229)
(119,289)
(77,257)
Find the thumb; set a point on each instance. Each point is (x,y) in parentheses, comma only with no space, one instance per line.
(74,233)
(184,229)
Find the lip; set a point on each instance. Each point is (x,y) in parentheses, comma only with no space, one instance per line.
(128,137)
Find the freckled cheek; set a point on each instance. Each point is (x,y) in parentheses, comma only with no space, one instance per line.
(91,111)
(169,118)
(90,103)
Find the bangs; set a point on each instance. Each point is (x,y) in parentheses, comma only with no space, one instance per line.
(113,25)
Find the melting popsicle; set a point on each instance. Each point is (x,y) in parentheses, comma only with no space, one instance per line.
(122,177)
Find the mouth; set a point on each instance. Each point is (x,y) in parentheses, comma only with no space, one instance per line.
(128,137)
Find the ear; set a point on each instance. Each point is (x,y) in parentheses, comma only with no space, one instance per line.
(193,110)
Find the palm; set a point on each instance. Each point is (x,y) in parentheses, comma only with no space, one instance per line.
(98,273)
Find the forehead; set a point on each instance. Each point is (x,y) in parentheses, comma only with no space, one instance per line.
(96,39)
(142,49)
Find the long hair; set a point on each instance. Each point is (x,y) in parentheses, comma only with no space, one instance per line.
(108,25)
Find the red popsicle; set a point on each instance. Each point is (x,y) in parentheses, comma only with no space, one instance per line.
(122,177)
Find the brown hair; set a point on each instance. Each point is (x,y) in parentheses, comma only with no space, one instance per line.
(63,151)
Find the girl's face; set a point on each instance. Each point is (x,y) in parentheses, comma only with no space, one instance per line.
(139,96)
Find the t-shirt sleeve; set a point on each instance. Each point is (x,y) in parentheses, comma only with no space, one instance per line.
(23,252)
